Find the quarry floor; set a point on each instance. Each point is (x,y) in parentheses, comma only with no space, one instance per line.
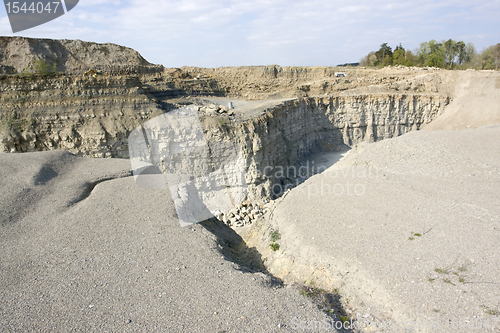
(404,231)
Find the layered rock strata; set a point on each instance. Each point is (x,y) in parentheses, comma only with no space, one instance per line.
(94,117)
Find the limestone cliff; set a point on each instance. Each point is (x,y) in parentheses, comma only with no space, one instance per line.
(283,135)
(303,110)
(86,116)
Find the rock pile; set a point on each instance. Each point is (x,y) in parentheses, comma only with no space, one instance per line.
(243,215)
(213,109)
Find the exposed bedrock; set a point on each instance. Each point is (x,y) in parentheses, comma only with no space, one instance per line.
(86,116)
(94,116)
(278,139)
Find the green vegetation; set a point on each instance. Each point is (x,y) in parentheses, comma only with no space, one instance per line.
(43,68)
(448,54)
(275,235)
(40,67)
(492,312)
(413,235)
(448,279)
(441,271)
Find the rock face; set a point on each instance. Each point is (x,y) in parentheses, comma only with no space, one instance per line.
(86,116)
(94,116)
(278,139)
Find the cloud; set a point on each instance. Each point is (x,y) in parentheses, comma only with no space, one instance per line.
(287,32)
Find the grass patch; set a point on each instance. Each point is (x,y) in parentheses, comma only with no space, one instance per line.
(441,271)
(275,235)
(492,312)
(274,246)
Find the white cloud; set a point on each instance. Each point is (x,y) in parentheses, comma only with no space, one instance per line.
(309,32)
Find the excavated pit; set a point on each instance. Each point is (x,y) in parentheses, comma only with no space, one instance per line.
(289,123)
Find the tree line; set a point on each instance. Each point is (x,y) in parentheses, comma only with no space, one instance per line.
(448,54)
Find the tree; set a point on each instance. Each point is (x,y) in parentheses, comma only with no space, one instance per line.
(470,54)
(450,52)
(460,46)
(369,61)
(496,54)
(398,57)
(384,55)
(487,58)
(411,59)
(431,54)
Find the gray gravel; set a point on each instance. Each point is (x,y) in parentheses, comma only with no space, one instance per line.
(85,249)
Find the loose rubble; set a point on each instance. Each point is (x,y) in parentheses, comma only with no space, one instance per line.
(213,109)
(244,214)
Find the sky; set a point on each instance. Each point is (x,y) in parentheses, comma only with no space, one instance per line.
(265,32)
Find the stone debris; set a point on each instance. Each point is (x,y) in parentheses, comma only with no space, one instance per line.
(244,214)
(213,109)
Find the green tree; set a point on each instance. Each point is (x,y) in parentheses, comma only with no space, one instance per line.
(431,54)
(384,55)
(411,59)
(496,54)
(369,61)
(487,58)
(399,56)
(460,46)
(450,52)
(470,54)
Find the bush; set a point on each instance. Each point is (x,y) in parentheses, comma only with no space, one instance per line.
(42,67)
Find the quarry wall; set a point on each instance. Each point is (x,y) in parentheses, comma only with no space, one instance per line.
(93,117)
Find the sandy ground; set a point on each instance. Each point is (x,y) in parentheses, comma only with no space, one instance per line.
(476,102)
(85,249)
(408,229)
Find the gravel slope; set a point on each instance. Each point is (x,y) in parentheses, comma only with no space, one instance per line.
(407,228)
(476,102)
(77,256)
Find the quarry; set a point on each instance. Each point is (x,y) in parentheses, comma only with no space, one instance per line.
(392,217)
